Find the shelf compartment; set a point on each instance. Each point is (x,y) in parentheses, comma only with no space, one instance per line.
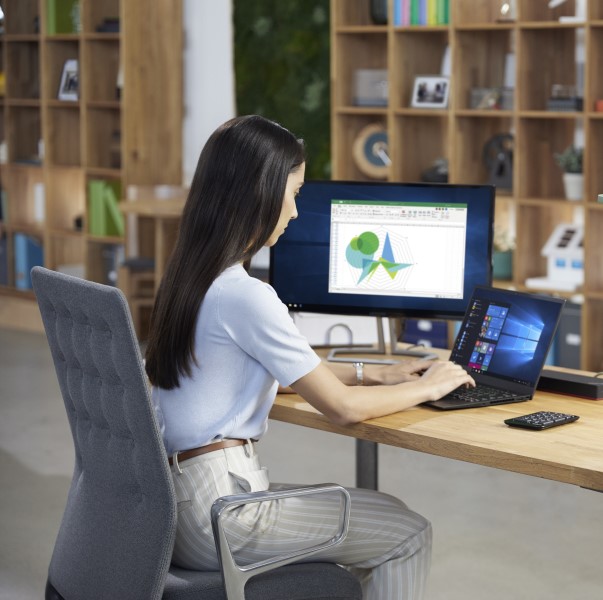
(356,51)
(594,75)
(23,134)
(56,54)
(540,140)
(103,139)
(535,224)
(65,252)
(95,14)
(416,52)
(481,56)
(418,143)
(346,131)
(22,17)
(554,48)
(347,13)
(24,188)
(22,63)
(476,12)
(528,10)
(102,261)
(471,134)
(63,136)
(101,64)
(65,199)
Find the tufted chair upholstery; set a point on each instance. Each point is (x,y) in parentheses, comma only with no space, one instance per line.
(117,533)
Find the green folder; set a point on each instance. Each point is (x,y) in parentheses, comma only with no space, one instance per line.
(62,16)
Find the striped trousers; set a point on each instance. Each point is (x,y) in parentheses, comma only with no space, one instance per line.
(388,546)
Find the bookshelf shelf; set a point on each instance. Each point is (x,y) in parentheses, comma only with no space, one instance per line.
(55,147)
(477,45)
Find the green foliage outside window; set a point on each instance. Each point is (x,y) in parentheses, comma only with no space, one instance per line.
(282,70)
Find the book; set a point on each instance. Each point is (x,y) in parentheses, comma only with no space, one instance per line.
(28,254)
(104,217)
(96,207)
(63,16)
(115,219)
(3,261)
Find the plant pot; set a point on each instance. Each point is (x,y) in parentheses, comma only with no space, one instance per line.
(502,265)
(574,185)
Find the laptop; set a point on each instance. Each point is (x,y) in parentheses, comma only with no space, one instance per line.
(503,343)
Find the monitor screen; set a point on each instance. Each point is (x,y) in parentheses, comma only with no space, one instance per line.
(385,249)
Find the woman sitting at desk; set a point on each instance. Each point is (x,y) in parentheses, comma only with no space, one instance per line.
(220,344)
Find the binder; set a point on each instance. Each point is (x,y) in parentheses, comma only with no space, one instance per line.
(104,217)
(28,254)
(3,261)
(62,16)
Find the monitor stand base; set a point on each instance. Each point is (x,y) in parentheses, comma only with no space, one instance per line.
(380,348)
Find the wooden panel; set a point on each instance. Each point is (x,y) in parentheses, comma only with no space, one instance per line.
(152,91)
(417,143)
(65,198)
(356,51)
(592,349)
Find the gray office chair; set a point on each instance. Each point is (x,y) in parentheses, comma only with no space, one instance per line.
(117,533)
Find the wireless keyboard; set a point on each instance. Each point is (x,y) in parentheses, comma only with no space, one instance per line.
(541,420)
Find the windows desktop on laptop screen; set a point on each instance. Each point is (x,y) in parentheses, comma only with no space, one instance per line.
(385,249)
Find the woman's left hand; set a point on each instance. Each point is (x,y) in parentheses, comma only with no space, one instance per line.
(405,370)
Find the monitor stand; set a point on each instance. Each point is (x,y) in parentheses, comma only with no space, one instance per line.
(380,348)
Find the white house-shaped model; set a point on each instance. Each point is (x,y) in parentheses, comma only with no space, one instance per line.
(564,251)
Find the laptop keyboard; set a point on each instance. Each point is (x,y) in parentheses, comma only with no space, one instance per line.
(480,393)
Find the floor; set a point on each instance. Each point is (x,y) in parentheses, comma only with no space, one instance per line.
(497,535)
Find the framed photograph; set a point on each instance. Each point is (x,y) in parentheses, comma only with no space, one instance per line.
(69,87)
(430,91)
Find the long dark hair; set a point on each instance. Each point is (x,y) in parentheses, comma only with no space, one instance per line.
(232,208)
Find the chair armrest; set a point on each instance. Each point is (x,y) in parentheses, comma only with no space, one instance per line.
(235,576)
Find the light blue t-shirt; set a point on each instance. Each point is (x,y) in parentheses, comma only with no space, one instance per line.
(246,344)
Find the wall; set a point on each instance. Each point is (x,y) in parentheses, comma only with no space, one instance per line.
(208,75)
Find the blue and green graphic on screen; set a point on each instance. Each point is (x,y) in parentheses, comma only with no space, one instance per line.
(395,248)
(361,253)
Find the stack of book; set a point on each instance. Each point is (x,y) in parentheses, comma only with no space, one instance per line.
(421,12)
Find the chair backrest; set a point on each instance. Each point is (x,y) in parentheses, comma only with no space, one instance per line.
(117,532)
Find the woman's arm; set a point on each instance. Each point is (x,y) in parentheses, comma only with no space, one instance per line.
(345,404)
(407,370)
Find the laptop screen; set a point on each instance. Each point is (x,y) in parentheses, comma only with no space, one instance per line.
(507,334)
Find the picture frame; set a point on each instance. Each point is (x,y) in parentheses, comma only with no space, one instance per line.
(430,91)
(69,86)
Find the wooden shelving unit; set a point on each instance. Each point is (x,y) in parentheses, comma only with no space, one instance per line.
(124,126)
(545,54)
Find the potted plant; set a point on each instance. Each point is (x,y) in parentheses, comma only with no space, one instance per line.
(502,255)
(570,160)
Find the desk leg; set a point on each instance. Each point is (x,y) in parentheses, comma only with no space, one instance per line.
(367,460)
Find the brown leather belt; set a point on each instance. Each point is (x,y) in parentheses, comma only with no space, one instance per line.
(228,443)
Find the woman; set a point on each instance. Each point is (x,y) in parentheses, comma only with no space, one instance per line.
(220,344)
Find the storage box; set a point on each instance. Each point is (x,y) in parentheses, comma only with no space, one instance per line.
(370,87)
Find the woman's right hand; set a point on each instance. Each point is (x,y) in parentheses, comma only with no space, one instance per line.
(445,376)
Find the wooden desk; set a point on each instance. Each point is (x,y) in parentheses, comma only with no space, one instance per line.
(571,453)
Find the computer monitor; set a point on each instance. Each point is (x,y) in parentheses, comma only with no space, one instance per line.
(385,249)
